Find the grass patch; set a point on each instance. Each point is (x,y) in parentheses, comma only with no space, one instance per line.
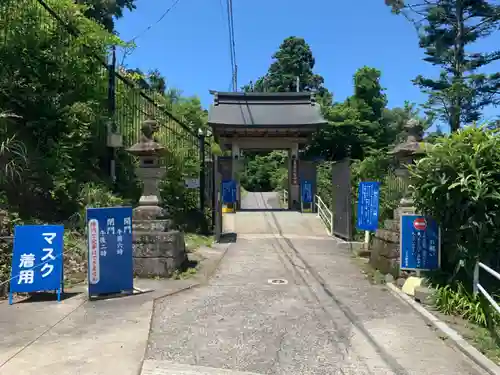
(194,241)
(188,270)
(471,316)
(477,336)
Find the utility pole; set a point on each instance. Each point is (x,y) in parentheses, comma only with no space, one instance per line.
(235,78)
(297,83)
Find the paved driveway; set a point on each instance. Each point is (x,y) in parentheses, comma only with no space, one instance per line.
(325,319)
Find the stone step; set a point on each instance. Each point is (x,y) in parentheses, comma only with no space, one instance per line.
(423,294)
(152,225)
(156,367)
(392,225)
(387,235)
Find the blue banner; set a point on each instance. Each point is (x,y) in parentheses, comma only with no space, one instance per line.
(228,191)
(420,243)
(37,259)
(306,191)
(368,205)
(110,263)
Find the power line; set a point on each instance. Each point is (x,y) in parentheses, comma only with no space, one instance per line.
(164,14)
(235,72)
(232,45)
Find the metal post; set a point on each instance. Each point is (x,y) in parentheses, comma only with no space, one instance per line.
(475,289)
(112,111)
(297,83)
(201,139)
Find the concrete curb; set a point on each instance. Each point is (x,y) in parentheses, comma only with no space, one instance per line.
(458,341)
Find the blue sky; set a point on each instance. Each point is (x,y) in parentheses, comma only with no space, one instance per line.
(190,45)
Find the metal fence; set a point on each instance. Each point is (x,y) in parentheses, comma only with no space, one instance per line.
(478,288)
(43,39)
(341,199)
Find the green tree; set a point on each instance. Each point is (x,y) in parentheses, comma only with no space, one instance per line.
(294,59)
(104,11)
(157,82)
(458,184)
(396,118)
(265,172)
(358,124)
(58,93)
(448,29)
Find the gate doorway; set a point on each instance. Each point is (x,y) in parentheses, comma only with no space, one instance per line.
(263,179)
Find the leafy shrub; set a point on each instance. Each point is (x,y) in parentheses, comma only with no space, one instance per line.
(378,166)
(268,172)
(7,222)
(458,183)
(94,195)
(181,203)
(324,182)
(460,302)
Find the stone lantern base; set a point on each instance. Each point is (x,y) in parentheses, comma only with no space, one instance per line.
(158,251)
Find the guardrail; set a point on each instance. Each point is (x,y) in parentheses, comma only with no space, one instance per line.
(324,214)
(478,287)
(285,198)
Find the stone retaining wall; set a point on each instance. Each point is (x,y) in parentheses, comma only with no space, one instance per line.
(385,249)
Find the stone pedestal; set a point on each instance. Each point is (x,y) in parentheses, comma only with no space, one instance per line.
(158,251)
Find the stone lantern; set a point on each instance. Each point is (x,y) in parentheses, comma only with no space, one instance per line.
(406,153)
(157,249)
(149,171)
(385,247)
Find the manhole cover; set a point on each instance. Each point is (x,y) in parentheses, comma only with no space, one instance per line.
(277,281)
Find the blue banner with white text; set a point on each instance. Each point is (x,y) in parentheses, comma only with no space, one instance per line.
(110,262)
(420,239)
(368,205)
(37,258)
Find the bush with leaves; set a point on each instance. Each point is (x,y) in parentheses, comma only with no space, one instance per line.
(458,184)
(181,203)
(461,302)
(58,91)
(93,195)
(265,172)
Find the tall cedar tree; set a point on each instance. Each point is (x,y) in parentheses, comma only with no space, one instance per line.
(448,30)
(103,11)
(293,59)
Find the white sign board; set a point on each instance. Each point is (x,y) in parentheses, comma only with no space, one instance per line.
(192,183)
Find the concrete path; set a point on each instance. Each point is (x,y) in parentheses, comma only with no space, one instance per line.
(81,337)
(324,318)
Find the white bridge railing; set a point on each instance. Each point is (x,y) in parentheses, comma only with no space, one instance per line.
(478,287)
(324,214)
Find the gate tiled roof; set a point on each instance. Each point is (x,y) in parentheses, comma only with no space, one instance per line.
(254,110)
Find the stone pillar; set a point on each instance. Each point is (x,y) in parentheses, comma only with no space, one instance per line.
(157,250)
(385,246)
(294,177)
